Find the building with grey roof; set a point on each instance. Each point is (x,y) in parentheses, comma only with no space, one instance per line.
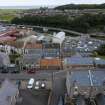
(78,62)
(4,59)
(8,93)
(88,83)
(30,59)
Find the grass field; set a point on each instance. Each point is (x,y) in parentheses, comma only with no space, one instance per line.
(8,14)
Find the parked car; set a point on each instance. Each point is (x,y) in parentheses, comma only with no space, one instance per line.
(4,70)
(30,83)
(37,85)
(40,85)
(43,85)
(31,71)
(15,71)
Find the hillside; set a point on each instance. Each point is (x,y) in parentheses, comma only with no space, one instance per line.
(81,6)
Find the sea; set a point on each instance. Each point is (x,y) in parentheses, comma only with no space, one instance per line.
(24,7)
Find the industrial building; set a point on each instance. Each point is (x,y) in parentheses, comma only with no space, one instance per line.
(87,83)
(51,64)
(51,53)
(75,62)
(58,38)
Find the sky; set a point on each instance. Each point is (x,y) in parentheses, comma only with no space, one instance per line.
(46,2)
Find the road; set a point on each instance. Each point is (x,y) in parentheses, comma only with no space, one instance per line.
(23,76)
(58,29)
(37,75)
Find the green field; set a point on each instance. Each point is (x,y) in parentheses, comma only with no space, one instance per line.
(8,14)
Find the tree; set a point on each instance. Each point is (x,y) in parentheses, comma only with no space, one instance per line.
(101,50)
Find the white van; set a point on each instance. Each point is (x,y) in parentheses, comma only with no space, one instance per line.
(30,83)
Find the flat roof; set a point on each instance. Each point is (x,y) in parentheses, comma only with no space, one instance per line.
(88,78)
(31,58)
(51,52)
(80,77)
(35,51)
(98,77)
(79,61)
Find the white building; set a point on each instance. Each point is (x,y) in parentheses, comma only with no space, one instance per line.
(58,38)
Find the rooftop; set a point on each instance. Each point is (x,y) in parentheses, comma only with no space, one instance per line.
(50,62)
(88,78)
(79,61)
(7,90)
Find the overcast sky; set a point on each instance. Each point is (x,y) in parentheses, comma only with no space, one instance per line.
(46,2)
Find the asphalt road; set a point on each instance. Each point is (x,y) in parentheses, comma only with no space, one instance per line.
(24,76)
